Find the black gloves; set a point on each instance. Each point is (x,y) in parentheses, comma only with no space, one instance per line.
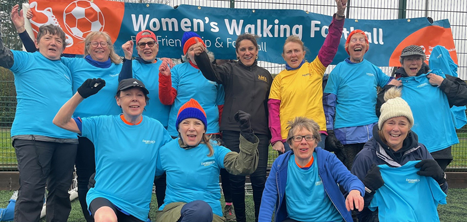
(430,168)
(92,181)
(91,87)
(332,143)
(373,179)
(243,120)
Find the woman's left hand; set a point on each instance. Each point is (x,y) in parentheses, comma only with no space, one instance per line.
(341,5)
(354,201)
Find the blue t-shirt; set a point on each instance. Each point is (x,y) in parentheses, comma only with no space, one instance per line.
(103,102)
(125,161)
(355,84)
(190,83)
(407,196)
(433,120)
(306,199)
(192,174)
(149,75)
(42,87)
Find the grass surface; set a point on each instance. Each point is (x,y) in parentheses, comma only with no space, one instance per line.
(454,211)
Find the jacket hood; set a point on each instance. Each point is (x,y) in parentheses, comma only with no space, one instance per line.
(410,142)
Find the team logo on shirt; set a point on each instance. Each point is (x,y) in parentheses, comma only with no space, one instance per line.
(422,85)
(113,75)
(370,74)
(319,183)
(149,141)
(412,180)
(306,74)
(207,163)
(263,78)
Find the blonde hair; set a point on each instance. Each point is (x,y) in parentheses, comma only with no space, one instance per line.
(303,123)
(87,42)
(295,39)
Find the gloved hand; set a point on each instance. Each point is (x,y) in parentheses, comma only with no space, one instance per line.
(332,143)
(430,168)
(373,179)
(243,120)
(92,181)
(91,87)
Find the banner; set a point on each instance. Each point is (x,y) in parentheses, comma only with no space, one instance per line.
(219,27)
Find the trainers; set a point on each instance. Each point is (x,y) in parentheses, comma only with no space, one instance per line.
(14,196)
(229,213)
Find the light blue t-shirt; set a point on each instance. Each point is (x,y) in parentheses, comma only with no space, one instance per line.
(190,83)
(42,87)
(355,88)
(103,102)
(306,199)
(125,161)
(433,120)
(149,75)
(192,174)
(407,196)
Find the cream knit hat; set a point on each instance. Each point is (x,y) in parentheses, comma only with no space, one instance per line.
(394,106)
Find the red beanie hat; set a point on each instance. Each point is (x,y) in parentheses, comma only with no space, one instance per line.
(350,36)
(189,39)
(145,34)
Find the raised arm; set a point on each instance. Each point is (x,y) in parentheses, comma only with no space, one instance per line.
(246,161)
(18,20)
(63,118)
(167,93)
(331,43)
(6,56)
(127,67)
(210,71)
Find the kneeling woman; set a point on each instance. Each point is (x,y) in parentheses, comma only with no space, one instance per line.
(192,164)
(126,148)
(303,183)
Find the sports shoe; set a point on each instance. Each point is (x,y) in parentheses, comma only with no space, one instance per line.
(229,213)
(14,196)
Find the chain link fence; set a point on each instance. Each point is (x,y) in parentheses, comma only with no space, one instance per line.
(454,10)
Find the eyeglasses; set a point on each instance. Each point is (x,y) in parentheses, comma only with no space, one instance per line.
(354,40)
(300,138)
(95,44)
(142,45)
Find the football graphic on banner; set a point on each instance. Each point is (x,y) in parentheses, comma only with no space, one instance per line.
(82,17)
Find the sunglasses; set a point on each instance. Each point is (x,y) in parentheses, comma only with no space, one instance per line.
(142,45)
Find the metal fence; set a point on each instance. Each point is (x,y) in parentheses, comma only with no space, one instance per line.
(454,10)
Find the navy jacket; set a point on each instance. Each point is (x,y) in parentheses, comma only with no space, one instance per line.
(330,169)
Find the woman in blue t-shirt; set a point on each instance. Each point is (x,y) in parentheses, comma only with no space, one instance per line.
(126,150)
(393,144)
(192,164)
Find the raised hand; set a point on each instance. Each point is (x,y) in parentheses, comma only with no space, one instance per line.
(91,87)
(17,19)
(198,47)
(341,5)
(164,69)
(128,49)
(169,62)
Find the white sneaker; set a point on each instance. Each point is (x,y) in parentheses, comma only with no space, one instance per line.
(14,196)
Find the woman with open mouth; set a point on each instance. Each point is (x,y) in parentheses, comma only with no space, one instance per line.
(393,157)
(192,164)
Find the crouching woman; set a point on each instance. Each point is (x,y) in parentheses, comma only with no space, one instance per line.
(303,184)
(192,164)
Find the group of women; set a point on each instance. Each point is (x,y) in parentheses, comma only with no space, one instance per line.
(204,118)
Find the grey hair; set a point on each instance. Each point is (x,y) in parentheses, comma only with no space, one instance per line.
(303,123)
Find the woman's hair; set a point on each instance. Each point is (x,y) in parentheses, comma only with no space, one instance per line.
(245,36)
(303,123)
(52,30)
(296,39)
(87,43)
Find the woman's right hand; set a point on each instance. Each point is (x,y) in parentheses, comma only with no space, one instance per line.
(279,146)
(17,19)
(128,49)
(164,69)
(198,47)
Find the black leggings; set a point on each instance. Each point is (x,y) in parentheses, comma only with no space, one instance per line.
(258,178)
(85,167)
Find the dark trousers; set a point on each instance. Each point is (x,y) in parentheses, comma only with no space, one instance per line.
(348,153)
(161,186)
(258,178)
(40,164)
(85,166)
(443,157)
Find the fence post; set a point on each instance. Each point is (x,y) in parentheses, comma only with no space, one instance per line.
(402,9)
(232,3)
(347,13)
